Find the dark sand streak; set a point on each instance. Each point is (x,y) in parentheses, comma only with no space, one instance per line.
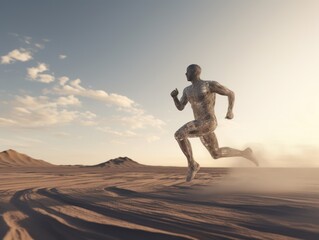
(160,221)
(57,230)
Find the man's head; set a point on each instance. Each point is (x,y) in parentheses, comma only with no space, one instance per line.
(193,72)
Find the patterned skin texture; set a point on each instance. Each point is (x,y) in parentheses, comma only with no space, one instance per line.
(202,95)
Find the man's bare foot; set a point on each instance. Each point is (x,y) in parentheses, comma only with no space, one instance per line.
(248,153)
(192,170)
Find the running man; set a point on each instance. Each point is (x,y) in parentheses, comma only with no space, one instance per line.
(201,95)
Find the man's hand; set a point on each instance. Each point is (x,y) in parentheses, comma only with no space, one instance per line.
(229,115)
(174,93)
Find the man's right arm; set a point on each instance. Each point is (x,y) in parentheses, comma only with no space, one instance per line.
(180,104)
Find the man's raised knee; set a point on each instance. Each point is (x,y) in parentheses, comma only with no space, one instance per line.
(216,154)
(179,136)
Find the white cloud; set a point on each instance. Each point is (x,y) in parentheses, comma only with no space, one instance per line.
(88,119)
(69,100)
(6,122)
(137,118)
(28,111)
(63,80)
(39,45)
(21,55)
(74,88)
(27,39)
(22,110)
(45,78)
(36,73)
(62,56)
(120,100)
(142,121)
(89,115)
(41,111)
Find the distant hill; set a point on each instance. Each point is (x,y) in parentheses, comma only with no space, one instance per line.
(12,158)
(120,162)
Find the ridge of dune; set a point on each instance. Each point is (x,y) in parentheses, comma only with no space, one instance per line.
(120,162)
(12,158)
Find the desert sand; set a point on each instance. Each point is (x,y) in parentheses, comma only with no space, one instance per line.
(143,202)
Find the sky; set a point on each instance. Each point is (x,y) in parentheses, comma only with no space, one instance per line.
(83,82)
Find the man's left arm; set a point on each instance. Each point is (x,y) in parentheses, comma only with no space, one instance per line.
(222,90)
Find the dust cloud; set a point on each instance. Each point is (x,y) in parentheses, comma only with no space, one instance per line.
(268,180)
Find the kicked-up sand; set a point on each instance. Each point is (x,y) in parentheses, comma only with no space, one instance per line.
(148,203)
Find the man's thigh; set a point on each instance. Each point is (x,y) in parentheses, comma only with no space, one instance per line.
(195,128)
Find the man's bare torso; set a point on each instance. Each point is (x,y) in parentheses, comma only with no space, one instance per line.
(202,100)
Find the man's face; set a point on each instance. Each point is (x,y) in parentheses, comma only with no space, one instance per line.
(189,73)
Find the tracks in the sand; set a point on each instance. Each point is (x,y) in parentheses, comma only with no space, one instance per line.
(147,205)
(163,221)
(46,222)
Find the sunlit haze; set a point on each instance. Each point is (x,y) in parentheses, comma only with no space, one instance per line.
(86,81)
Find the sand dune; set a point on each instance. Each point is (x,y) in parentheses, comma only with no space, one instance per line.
(156,203)
(119,162)
(11,158)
